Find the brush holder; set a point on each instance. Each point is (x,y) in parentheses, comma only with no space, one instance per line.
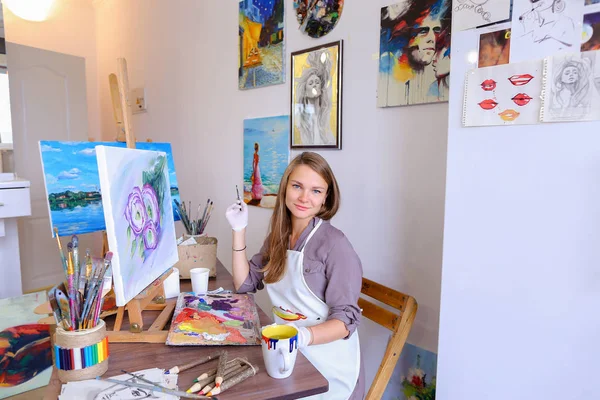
(80,355)
(203,254)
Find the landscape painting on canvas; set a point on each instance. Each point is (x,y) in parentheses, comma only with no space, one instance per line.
(414,53)
(25,355)
(261,44)
(266,156)
(217,319)
(73,186)
(138,212)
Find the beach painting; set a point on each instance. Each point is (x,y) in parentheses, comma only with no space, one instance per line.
(138,211)
(414,376)
(25,354)
(217,319)
(73,185)
(266,156)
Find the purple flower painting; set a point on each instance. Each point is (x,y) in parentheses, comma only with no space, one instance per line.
(138,213)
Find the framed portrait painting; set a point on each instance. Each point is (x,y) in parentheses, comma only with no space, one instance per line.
(316,97)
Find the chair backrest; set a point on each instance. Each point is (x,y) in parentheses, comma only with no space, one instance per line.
(399,323)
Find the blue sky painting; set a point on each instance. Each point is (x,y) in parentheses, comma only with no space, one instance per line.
(73,185)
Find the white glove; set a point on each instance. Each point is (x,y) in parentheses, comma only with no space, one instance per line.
(305,336)
(237,215)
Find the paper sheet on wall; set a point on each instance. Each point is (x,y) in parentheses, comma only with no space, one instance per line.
(572,89)
(503,95)
(469,14)
(544,28)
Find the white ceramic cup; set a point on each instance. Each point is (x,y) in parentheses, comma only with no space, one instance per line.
(279,348)
(199,278)
(171,285)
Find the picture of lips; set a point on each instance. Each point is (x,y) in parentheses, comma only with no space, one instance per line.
(488,84)
(488,104)
(520,80)
(521,99)
(509,115)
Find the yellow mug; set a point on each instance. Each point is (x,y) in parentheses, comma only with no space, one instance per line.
(279,348)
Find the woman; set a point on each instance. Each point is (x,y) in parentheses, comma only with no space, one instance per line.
(257,187)
(571,85)
(313,105)
(310,270)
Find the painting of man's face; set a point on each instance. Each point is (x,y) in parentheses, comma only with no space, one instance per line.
(422,42)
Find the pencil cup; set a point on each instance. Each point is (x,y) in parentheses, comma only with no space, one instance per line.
(80,355)
(199,280)
(279,349)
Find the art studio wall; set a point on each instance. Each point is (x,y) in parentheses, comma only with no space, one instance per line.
(520,272)
(69,29)
(391,168)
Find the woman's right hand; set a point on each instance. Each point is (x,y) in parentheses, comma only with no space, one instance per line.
(237,215)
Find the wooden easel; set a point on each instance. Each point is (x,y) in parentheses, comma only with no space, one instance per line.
(143,301)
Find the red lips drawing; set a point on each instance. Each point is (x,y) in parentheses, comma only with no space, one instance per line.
(488,104)
(520,80)
(521,99)
(488,84)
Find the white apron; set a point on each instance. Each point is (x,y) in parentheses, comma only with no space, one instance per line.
(338,361)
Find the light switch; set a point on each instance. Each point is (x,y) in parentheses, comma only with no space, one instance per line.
(139,100)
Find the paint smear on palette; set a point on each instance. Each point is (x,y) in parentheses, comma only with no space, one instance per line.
(218,320)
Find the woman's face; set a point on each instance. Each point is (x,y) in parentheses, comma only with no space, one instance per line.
(542,4)
(569,75)
(305,193)
(313,86)
(441,63)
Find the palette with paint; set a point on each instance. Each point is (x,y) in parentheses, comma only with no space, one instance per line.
(214,319)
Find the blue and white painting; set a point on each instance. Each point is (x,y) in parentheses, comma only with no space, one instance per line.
(266,156)
(414,376)
(73,185)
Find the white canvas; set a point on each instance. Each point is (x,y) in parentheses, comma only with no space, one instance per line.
(572,91)
(469,14)
(545,28)
(503,95)
(138,213)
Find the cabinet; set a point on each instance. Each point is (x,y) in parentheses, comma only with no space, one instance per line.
(14,202)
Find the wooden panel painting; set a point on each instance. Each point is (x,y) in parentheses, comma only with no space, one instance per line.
(266,156)
(261,44)
(73,185)
(138,212)
(25,354)
(414,53)
(218,319)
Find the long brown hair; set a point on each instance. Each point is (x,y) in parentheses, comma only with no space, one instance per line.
(280,227)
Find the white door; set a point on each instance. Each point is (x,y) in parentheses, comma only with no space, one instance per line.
(48,102)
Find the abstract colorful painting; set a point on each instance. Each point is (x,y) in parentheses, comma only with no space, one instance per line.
(266,156)
(316,106)
(591,32)
(504,95)
(25,354)
(138,211)
(73,186)
(494,48)
(414,376)
(217,319)
(414,53)
(261,43)
(318,17)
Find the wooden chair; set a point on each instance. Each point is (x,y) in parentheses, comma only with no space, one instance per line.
(400,325)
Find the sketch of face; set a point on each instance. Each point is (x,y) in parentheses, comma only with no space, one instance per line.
(422,43)
(541,5)
(124,393)
(313,86)
(441,63)
(569,75)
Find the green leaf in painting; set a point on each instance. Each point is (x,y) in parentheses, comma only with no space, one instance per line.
(142,248)
(133,247)
(129,233)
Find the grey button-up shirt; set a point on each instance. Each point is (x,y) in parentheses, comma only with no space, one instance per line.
(332,271)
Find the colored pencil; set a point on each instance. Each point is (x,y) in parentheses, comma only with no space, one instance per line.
(203,360)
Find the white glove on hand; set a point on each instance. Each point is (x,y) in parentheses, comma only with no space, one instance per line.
(237,216)
(305,336)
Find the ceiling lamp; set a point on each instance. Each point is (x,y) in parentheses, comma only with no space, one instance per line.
(31,10)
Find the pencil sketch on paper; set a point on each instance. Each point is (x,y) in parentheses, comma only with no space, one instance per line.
(573,87)
(545,27)
(469,14)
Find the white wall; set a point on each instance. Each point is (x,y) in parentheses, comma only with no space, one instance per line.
(70,29)
(391,169)
(521,280)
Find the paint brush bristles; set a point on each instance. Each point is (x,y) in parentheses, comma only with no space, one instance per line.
(60,250)
(193,226)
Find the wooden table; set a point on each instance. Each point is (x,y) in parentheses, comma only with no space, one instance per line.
(304,381)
